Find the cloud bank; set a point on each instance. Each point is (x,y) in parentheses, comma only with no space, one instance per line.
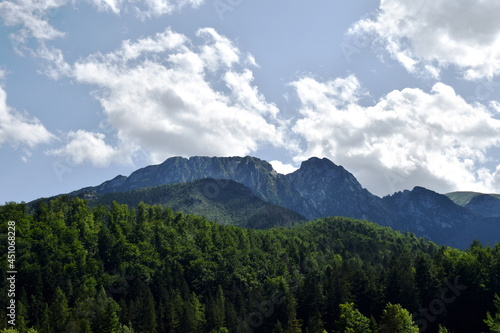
(409,137)
(426,36)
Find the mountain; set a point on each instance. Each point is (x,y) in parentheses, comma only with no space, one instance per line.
(429,214)
(333,191)
(258,175)
(225,202)
(487,205)
(318,189)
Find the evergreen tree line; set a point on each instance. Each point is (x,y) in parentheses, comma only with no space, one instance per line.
(149,269)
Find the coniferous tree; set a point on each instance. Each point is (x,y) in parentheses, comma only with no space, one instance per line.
(59,311)
(44,324)
(278,328)
(294,325)
(105,317)
(147,312)
(216,311)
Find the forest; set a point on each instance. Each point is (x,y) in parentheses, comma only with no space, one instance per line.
(149,269)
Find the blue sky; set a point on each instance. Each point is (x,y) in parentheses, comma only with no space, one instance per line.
(401,94)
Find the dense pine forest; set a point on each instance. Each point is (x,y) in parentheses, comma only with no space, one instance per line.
(150,269)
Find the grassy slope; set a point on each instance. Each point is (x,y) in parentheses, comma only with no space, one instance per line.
(463,198)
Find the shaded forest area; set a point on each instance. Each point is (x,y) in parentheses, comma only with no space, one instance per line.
(149,269)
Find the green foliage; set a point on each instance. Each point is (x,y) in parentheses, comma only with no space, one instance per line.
(494,322)
(351,320)
(59,311)
(397,319)
(442,329)
(148,269)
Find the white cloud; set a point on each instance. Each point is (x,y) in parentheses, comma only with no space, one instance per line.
(282,168)
(145,9)
(90,147)
(155,8)
(408,138)
(106,5)
(19,129)
(427,35)
(170,97)
(32,16)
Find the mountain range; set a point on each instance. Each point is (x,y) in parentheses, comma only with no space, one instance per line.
(247,191)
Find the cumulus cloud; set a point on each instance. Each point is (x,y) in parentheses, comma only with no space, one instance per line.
(33,17)
(91,147)
(168,96)
(426,36)
(19,129)
(409,137)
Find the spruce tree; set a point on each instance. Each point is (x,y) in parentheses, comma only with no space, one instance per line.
(59,311)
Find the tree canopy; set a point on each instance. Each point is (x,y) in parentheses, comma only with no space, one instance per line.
(149,269)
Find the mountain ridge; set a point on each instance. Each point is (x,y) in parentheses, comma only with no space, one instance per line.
(319,189)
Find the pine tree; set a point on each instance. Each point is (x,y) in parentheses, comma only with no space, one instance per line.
(105,318)
(424,280)
(147,312)
(195,315)
(22,321)
(59,311)
(293,324)
(216,310)
(44,324)
(278,328)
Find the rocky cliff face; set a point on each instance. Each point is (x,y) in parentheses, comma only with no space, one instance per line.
(333,191)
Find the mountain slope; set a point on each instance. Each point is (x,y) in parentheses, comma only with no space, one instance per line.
(225,202)
(487,205)
(430,214)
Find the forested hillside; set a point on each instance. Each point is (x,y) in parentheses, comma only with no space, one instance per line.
(222,201)
(149,269)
